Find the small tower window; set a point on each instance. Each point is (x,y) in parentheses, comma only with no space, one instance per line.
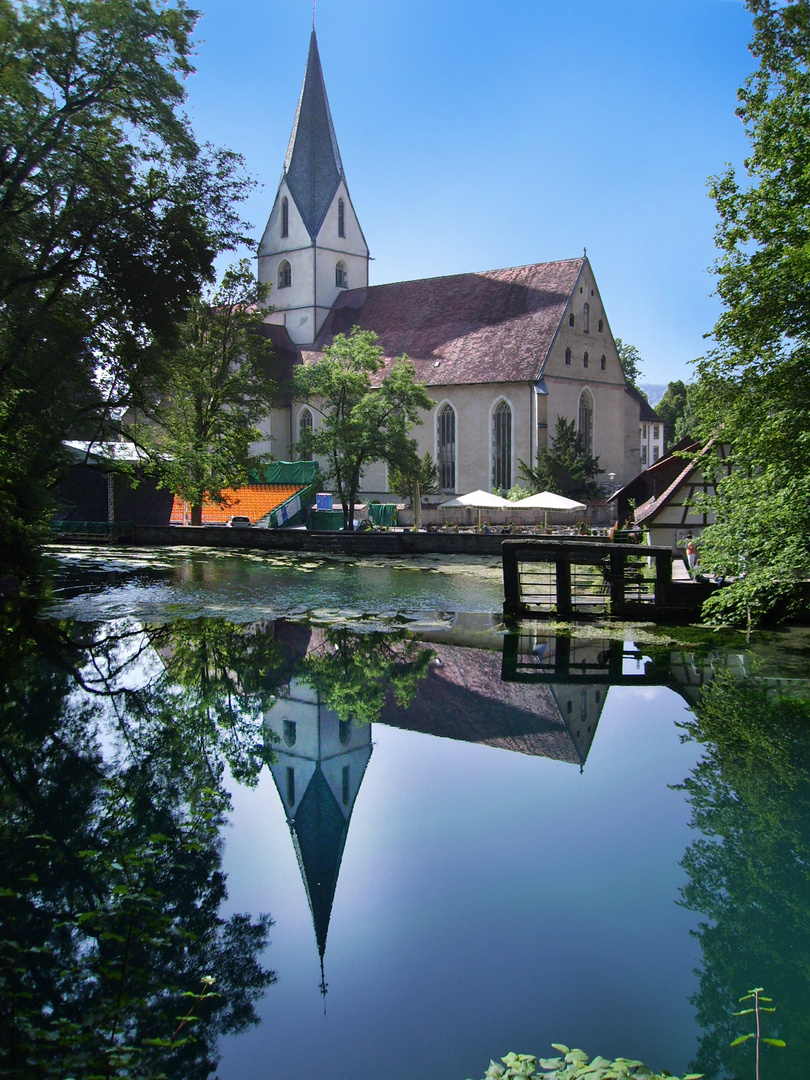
(586,318)
(344,732)
(601,325)
(341,275)
(284,275)
(289,732)
(585,360)
(603,362)
(568,357)
(285,216)
(341,218)
(571,319)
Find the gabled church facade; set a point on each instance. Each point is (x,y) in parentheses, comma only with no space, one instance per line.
(502,353)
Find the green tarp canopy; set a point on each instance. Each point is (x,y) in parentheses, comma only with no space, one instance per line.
(286,472)
(383,513)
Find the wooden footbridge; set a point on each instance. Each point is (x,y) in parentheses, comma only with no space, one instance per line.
(570,579)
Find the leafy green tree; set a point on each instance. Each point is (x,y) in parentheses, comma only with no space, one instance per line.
(216,389)
(754,386)
(110,216)
(360,422)
(630,360)
(748,869)
(404,476)
(676,409)
(360,671)
(564,467)
(111,813)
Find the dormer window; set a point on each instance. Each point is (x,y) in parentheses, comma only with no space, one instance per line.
(341,275)
(341,218)
(285,216)
(284,275)
(586,318)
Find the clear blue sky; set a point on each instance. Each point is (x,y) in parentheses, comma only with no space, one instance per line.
(477,136)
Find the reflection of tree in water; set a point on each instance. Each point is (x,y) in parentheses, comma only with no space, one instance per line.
(356,672)
(112,805)
(749,873)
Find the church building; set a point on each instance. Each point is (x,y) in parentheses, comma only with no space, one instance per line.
(502,353)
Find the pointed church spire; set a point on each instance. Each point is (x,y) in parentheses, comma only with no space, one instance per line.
(312,167)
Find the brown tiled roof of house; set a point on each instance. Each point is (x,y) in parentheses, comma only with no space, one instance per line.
(651,507)
(254,501)
(496,326)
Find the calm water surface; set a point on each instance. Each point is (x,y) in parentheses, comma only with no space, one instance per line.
(470,839)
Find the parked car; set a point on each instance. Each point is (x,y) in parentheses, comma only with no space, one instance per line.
(238,521)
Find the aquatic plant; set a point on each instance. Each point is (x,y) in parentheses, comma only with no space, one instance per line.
(573,1065)
(757,997)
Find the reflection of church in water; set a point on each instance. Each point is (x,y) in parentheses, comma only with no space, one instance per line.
(321,760)
(540,694)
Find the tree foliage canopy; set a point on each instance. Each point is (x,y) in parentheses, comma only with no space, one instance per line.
(676,410)
(754,386)
(564,467)
(359,423)
(630,360)
(110,216)
(216,388)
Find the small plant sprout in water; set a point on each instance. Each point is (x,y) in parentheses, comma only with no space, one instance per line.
(757,997)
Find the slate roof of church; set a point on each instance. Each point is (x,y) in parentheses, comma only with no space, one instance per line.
(496,326)
(312,166)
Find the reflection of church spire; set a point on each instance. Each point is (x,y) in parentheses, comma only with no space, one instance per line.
(320,762)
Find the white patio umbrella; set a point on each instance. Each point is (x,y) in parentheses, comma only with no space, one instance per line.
(480,500)
(547,500)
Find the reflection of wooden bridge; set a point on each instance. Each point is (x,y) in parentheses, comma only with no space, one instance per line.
(573,660)
(579,578)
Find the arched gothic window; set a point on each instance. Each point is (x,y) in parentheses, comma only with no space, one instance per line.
(305,425)
(585,423)
(585,360)
(571,319)
(446,441)
(601,326)
(502,446)
(568,357)
(285,216)
(284,275)
(341,218)
(341,275)
(586,318)
(603,362)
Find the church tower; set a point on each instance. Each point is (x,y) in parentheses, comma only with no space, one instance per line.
(313,246)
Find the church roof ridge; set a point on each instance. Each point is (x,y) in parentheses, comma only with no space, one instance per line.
(471,273)
(312,165)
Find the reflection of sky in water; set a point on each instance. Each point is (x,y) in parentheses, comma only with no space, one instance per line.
(246,586)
